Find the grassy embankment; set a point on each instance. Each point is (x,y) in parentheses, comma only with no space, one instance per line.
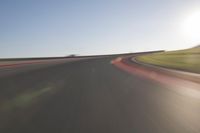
(186,60)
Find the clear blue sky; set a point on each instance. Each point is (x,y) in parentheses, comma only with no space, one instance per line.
(32,28)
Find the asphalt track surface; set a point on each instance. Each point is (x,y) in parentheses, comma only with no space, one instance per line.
(91,96)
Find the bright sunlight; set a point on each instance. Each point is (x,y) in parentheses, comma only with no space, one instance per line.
(191,27)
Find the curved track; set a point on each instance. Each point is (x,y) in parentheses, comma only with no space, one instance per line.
(93,96)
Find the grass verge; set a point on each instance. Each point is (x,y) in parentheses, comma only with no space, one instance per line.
(186,60)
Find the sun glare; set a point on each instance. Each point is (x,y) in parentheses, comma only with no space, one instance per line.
(191,27)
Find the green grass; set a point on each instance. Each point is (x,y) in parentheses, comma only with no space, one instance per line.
(186,60)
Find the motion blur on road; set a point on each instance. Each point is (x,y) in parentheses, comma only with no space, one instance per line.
(99,66)
(91,95)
